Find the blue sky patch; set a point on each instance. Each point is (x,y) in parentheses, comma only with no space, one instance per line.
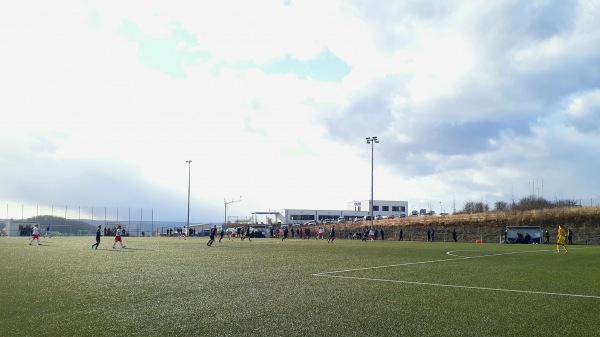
(327,67)
(166,55)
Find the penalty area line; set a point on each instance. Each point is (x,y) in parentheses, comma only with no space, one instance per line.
(455,257)
(460,286)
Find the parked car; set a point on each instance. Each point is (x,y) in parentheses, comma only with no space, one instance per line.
(326,221)
(341,219)
(310,223)
(378,217)
(391,216)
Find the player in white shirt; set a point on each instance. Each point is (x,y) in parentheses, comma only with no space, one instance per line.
(118,237)
(184,233)
(35,235)
(321,232)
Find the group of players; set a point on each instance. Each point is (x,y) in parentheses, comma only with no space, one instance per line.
(35,236)
(560,240)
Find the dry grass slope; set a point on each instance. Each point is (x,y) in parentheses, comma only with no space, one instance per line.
(585,223)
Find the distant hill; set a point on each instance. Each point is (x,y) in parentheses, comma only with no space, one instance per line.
(62,225)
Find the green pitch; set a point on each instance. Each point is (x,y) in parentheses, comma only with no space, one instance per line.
(171,287)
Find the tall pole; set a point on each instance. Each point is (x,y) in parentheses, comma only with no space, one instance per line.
(227,203)
(372,141)
(189,182)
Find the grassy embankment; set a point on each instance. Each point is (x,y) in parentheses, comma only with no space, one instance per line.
(489,226)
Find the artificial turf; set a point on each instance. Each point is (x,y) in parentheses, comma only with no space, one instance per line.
(170,287)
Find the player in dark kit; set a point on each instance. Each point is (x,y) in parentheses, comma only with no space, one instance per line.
(248,233)
(221,233)
(285,234)
(98,234)
(213,232)
(331,234)
(365,234)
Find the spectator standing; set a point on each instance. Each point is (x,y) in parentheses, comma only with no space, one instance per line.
(401,235)
(570,237)
(454,235)
(547,237)
(381,233)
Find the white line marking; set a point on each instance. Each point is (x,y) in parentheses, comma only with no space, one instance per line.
(457,257)
(459,286)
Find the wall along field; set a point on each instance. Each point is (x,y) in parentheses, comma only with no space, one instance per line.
(166,286)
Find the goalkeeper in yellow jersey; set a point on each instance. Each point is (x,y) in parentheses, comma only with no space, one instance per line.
(560,240)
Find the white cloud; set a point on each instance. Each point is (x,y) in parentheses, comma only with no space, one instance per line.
(469,101)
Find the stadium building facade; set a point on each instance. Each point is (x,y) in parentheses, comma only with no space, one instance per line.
(354,209)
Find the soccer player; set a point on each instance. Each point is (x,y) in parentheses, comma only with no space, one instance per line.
(48,231)
(248,233)
(118,237)
(285,234)
(221,233)
(331,234)
(98,234)
(35,235)
(184,232)
(213,232)
(560,240)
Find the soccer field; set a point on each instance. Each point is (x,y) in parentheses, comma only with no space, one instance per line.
(171,287)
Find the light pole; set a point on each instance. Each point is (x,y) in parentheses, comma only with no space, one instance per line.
(189,181)
(227,203)
(372,141)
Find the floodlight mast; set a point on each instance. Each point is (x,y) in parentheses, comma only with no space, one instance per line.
(189,181)
(227,203)
(372,141)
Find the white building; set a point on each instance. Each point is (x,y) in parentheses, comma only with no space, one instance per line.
(355,209)
(19,227)
(381,207)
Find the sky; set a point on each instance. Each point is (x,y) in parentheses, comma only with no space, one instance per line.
(103,102)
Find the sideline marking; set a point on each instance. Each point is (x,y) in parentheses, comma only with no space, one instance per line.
(457,257)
